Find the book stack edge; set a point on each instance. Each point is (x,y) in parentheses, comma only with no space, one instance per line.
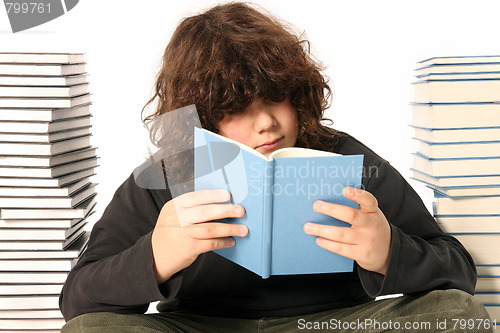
(46,193)
(456,121)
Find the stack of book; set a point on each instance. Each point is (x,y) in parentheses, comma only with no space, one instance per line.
(46,193)
(456,119)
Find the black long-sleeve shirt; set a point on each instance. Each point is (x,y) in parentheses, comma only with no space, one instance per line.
(116,272)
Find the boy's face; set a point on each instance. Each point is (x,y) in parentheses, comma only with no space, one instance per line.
(265,126)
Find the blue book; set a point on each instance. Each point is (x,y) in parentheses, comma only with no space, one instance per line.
(278,195)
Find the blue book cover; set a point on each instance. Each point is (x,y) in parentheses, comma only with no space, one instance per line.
(278,194)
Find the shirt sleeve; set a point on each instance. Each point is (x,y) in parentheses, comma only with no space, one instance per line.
(115,273)
(422,257)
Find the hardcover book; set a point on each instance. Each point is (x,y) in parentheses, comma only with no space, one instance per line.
(53,172)
(40,234)
(29,302)
(44,148)
(455,167)
(456,115)
(35,80)
(72,252)
(42,224)
(48,325)
(48,202)
(45,137)
(469,224)
(456,91)
(482,247)
(28,290)
(47,182)
(41,69)
(32,127)
(27,91)
(44,102)
(41,58)
(66,191)
(459,68)
(44,115)
(41,245)
(488,283)
(460,60)
(48,161)
(278,194)
(459,76)
(464,150)
(488,270)
(30,314)
(457,135)
(489,298)
(79,211)
(467,206)
(471,191)
(455,181)
(33,278)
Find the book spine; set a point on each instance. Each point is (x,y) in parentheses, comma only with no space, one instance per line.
(267,227)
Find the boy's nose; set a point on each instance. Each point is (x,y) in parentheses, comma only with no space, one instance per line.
(265,120)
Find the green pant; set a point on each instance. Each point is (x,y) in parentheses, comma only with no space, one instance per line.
(436,311)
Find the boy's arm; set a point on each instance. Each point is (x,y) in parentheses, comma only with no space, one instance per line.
(116,271)
(422,257)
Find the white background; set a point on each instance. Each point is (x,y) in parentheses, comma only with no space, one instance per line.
(370,48)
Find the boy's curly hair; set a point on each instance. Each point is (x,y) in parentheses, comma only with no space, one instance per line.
(232,54)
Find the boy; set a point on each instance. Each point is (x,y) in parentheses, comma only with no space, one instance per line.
(254,81)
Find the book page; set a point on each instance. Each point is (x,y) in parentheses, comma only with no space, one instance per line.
(299,152)
(297,184)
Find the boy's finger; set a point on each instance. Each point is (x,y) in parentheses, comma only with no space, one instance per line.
(207,245)
(367,202)
(345,250)
(204,197)
(217,230)
(340,212)
(344,235)
(206,213)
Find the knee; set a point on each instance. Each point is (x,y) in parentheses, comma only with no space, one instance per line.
(458,302)
(86,322)
(97,322)
(108,322)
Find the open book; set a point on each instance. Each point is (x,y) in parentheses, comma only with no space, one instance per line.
(278,195)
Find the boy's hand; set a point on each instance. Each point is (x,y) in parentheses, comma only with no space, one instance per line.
(183,230)
(368,239)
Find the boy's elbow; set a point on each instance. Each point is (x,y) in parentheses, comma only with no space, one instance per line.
(68,306)
(73,304)
(72,307)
